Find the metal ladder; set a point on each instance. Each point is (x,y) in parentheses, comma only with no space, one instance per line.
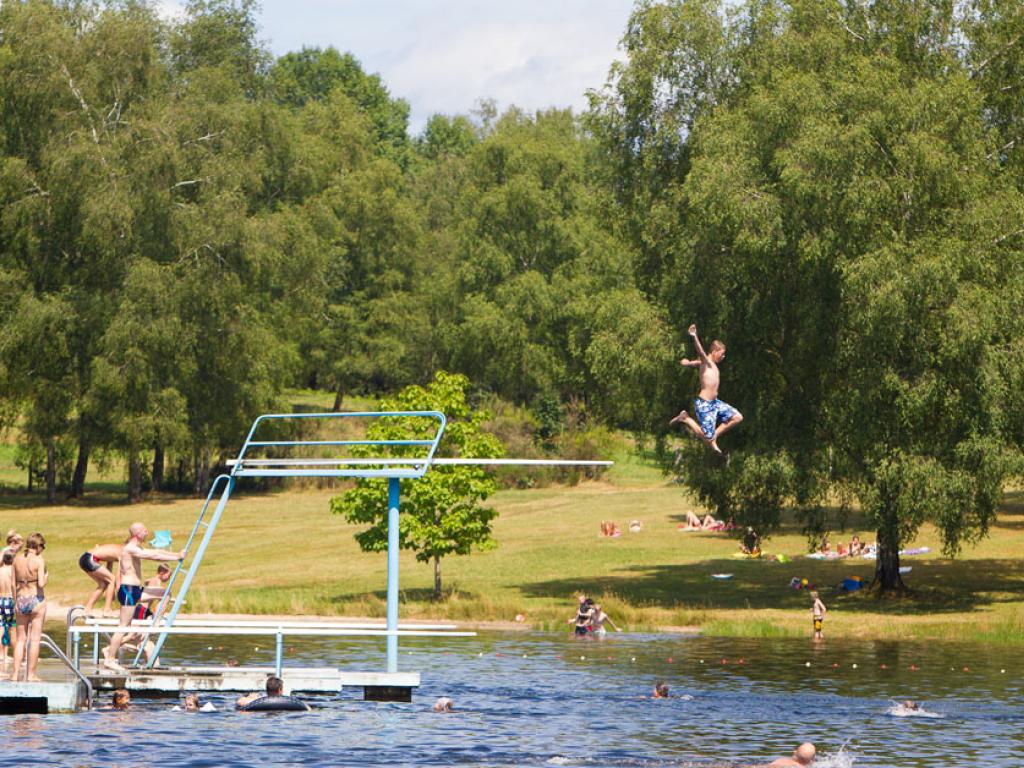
(186,569)
(408,468)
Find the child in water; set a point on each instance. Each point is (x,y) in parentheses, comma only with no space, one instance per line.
(818,610)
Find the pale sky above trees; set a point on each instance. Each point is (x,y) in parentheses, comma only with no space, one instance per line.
(445,55)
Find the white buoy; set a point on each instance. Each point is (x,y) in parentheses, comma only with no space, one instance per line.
(807,663)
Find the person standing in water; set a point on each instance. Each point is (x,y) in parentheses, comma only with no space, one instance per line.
(818,611)
(713,416)
(598,619)
(583,620)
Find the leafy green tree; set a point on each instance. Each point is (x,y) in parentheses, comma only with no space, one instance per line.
(313,74)
(837,215)
(442,512)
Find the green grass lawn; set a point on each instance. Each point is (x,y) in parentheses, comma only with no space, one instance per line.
(283,552)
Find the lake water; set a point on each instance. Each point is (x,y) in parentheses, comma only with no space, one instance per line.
(540,699)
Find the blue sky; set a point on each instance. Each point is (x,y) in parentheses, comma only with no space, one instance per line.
(445,55)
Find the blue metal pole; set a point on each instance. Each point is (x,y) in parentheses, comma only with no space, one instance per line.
(392,623)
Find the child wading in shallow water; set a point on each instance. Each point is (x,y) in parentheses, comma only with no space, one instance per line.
(818,610)
(714,417)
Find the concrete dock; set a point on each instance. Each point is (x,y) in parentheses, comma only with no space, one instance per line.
(60,692)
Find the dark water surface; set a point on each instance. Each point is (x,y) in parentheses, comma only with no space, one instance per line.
(542,699)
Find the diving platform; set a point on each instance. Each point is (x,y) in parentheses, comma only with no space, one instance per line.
(369,457)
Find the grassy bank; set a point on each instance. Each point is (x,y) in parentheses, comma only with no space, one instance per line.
(285,553)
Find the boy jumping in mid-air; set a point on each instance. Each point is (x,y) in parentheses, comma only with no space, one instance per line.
(714,417)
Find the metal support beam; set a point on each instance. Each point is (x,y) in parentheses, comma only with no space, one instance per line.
(392,617)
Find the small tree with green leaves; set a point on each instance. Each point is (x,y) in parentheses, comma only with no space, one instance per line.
(441,513)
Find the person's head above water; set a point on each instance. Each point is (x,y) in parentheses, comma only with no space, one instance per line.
(274,686)
(121,699)
(805,753)
(661,690)
(444,704)
(191,703)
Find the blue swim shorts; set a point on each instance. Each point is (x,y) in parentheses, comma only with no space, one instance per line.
(711,413)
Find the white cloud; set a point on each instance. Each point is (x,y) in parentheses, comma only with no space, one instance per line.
(445,55)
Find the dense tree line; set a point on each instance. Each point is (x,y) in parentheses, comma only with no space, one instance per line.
(834,187)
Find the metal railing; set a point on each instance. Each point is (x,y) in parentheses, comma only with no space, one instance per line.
(278,631)
(46,640)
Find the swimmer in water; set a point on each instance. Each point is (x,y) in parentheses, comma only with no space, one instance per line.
(444,704)
(660,690)
(121,699)
(598,620)
(802,755)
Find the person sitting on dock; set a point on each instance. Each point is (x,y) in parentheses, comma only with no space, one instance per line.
(274,699)
(97,563)
(129,595)
(802,755)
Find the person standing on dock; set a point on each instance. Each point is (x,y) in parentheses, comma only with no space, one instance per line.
(98,564)
(7,619)
(30,606)
(129,594)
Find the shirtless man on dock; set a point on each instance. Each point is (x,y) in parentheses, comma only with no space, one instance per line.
(714,416)
(98,563)
(130,593)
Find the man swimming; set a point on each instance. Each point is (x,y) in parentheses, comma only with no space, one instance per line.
(802,755)
(130,593)
(713,416)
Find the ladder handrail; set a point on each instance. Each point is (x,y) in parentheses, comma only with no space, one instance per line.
(169,589)
(46,640)
(421,465)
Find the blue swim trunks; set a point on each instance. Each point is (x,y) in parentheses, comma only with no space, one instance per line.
(711,413)
(129,594)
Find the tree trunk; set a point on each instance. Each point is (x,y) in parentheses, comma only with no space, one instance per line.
(887,563)
(202,462)
(31,471)
(51,471)
(158,467)
(338,396)
(437,577)
(134,477)
(81,467)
